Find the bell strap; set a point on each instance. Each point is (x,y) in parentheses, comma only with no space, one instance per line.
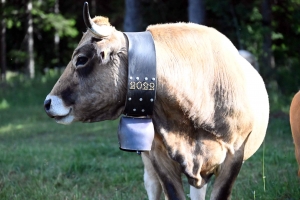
(141,89)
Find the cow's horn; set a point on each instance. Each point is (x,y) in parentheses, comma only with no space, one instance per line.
(100,31)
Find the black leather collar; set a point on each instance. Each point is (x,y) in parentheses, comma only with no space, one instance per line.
(141,89)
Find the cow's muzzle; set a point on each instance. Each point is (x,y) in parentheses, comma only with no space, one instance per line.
(55,108)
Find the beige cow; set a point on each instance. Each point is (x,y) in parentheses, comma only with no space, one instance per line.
(211,110)
(295,125)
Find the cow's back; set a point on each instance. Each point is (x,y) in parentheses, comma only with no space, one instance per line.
(203,71)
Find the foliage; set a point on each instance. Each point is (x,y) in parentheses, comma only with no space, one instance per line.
(240,20)
(46,23)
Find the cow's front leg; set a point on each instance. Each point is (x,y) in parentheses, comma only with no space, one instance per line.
(226,176)
(151,180)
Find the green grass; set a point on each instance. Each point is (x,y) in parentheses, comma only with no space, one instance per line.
(279,170)
(40,159)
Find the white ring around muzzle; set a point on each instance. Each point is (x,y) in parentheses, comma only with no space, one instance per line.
(61,113)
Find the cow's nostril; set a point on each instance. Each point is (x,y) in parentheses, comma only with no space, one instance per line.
(47,104)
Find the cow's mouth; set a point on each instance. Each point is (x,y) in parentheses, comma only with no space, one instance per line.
(58,118)
(65,119)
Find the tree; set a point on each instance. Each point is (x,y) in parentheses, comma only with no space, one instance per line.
(133,19)
(196,11)
(56,34)
(30,41)
(2,42)
(269,29)
(93,7)
(267,57)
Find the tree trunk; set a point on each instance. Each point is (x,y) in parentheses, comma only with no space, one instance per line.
(3,43)
(93,8)
(56,36)
(267,57)
(133,18)
(196,11)
(235,20)
(30,41)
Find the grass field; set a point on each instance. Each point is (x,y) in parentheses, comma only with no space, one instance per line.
(40,159)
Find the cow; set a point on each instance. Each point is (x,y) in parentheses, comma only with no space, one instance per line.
(295,125)
(210,114)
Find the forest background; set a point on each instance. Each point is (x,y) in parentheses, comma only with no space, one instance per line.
(41,34)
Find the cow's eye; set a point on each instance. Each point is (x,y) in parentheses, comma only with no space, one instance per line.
(81,60)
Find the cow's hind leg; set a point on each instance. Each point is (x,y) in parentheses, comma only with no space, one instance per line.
(169,174)
(170,179)
(226,176)
(198,194)
(151,180)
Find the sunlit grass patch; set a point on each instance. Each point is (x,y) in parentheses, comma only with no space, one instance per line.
(4,104)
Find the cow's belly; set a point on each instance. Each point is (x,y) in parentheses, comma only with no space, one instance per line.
(259,105)
(198,158)
(255,139)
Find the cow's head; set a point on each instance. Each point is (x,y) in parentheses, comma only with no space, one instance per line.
(93,85)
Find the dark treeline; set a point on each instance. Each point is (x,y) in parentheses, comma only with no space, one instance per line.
(40,34)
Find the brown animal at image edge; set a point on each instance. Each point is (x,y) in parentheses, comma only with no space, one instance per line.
(210,114)
(295,126)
